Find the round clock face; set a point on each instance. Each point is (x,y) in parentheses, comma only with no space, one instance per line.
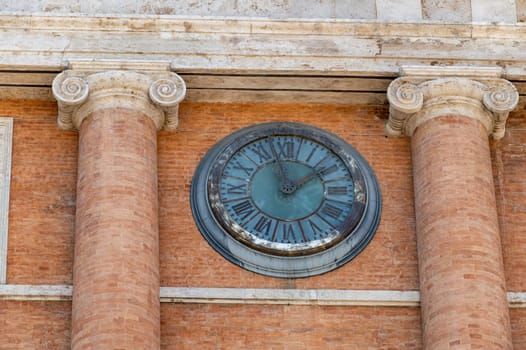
(285,199)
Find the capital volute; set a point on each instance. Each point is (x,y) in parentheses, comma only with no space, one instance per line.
(156,94)
(425,93)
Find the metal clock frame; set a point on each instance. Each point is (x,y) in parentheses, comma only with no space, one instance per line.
(224,235)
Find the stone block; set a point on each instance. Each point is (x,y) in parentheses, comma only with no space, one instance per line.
(458,11)
(503,11)
(521,10)
(399,10)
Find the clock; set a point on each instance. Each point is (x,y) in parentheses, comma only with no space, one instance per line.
(285,199)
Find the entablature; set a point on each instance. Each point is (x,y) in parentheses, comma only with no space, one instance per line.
(255,59)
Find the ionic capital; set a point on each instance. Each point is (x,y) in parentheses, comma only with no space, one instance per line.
(155,94)
(425,93)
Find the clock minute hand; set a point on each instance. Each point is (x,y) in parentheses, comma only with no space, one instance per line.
(307,178)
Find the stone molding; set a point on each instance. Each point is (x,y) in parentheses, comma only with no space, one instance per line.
(274,296)
(80,92)
(191,295)
(6,141)
(423,93)
(242,296)
(46,42)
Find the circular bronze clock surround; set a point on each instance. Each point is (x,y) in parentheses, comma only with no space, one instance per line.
(238,242)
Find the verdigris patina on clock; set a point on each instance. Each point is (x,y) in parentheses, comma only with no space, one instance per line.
(285,199)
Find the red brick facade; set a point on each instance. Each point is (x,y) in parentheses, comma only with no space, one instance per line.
(42,215)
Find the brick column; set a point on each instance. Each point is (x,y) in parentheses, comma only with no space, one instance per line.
(449,113)
(116,261)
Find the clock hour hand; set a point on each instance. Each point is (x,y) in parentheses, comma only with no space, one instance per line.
(281,168)
(286,186)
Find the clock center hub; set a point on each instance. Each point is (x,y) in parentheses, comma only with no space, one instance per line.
(288,187)
(286,201)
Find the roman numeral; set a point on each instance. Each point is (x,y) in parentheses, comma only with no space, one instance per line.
(263,225)
(332,211)
(337,190)
(247,170)
(288,231)
(311,154)
(241,189)
(243,209)
(315,228)
(286,149)
(261,152)
(326,171)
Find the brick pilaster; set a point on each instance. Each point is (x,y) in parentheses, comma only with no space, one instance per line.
(116,261)
(449,114)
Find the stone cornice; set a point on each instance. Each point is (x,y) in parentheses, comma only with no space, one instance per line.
(89,88)
(193,44)
(423,93)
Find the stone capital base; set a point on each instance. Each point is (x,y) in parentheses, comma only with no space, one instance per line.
(154,94)
(424,93)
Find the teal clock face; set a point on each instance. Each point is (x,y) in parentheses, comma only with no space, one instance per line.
(285,200)
(286,193)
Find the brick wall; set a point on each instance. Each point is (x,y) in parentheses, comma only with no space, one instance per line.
(35,325)
(389,262)
(42,203)
(42,213)
(518,328)
(289,327)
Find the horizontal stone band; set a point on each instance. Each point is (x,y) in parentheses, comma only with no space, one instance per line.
(189,295)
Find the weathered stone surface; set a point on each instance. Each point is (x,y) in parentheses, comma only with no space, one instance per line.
(156,95)
(425,93)
(447,10)
(250,45)
(399,10)
(494,11)
(358,9)
(461,11)
(521,10)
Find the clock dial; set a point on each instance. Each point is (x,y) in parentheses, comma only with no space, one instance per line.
(287,191)
(289,194)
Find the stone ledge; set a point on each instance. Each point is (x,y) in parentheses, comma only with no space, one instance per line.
(234,295)
(35,292)
(261,296)
(290,296)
